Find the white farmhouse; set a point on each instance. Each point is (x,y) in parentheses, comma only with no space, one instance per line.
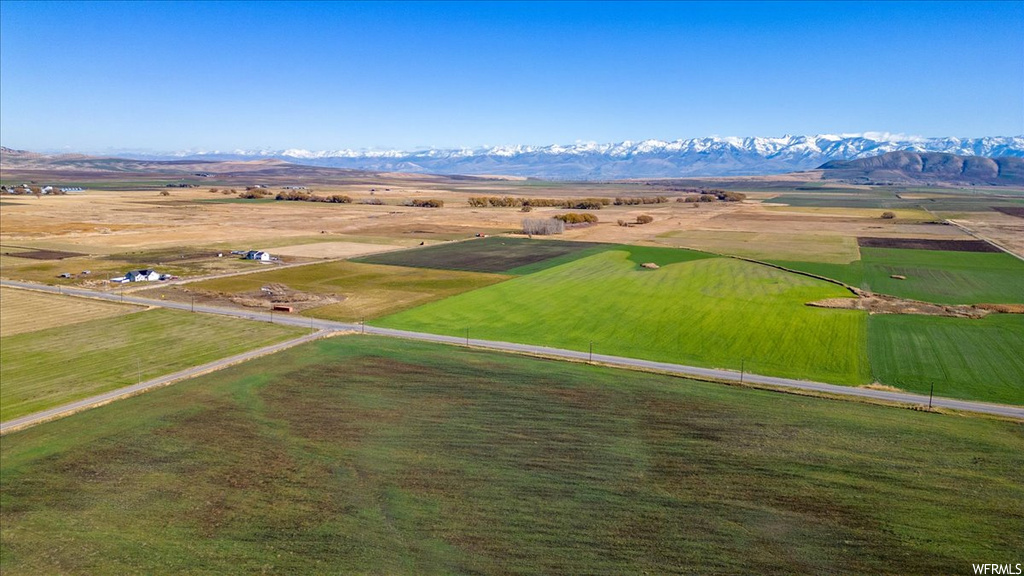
(257,255)
(142,276)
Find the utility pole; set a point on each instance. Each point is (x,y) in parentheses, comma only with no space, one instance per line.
(138,363)
(467,336)
(591,361)
(193,303)
(931,390)
(742,366)
(362,325)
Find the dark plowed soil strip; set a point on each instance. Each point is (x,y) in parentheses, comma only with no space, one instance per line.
(927,244)
(496,254)
(1017,211)
(44,254)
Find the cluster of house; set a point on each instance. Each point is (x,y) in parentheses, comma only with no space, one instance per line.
(26,189)
(150,275)
(144,275)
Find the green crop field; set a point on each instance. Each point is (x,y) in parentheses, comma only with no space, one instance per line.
(974,359)
(941,276)
(889,201)
(46,368)
(716,312)
(494,254)
(356,454)
(368,290)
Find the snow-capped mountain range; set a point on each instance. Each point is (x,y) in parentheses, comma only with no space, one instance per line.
(711,156)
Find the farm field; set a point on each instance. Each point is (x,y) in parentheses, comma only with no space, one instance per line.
(823,247)
(416,458)
(494,254)
(715,312)
(26,311)
(49,367)
(890,201)
(974,359)
(367,290)
(941,276)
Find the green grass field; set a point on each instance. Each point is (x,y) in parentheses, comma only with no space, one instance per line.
(941,276)
(974,359)
(368,290)
(46,368)
(357,455)
(716,312)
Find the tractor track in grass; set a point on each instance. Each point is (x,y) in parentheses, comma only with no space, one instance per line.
(711,374)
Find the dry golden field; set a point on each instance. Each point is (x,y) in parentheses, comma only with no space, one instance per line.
(26,311)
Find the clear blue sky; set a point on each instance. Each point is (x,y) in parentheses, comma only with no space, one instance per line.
(168,75)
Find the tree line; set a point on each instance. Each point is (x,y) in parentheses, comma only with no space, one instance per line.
(514,202)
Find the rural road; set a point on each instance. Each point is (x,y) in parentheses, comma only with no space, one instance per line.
(1004,410)
(107,397)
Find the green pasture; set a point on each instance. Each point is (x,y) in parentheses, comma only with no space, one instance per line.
(715,312)
(359,454)
(941,276)
(49,367)
(963,358)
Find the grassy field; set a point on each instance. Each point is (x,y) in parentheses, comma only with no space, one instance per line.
(385,456)
(369,290)
(889,201)
(762,245)
(495,254)
(49,367)
(973,359)
(941,276)
(26,311)
(713,312)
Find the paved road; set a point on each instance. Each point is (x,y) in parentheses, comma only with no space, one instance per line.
(618,361)
(107,397)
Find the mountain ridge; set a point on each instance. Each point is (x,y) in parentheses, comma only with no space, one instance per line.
(916,167)
(708,156)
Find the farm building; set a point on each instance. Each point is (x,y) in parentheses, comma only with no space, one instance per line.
(142,276)
(257,255)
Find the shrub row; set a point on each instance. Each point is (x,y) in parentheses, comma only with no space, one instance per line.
(635,200)
(576,218)
(301,196)
(714,195)
(512,202)
(428,203)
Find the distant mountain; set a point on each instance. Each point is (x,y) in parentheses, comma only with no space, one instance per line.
(916,167)
(711,156)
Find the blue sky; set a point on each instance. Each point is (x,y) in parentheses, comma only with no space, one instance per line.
(174,75)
